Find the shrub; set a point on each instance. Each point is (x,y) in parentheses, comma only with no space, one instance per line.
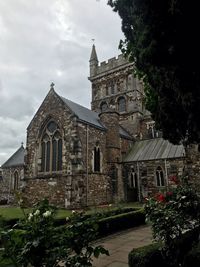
(172,214)
(192,259)
(40,243)
(147,256)
(152,255)
(120,222)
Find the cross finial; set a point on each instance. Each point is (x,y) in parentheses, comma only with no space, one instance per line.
(93,40)
(52,85)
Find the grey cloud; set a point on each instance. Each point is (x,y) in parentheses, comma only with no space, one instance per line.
(45,41)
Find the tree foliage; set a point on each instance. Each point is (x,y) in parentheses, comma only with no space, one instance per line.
(161,38)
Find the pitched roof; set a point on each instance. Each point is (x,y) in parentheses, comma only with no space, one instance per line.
(90,117)
(154,149)
(17,159)
(84,114)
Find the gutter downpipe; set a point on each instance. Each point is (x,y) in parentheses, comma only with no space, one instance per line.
(87,138)
(138,178)
(166,175)
(10,184)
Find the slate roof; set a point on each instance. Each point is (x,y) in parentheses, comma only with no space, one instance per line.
(84,114)
(17,159)
(90,117)
(154,149)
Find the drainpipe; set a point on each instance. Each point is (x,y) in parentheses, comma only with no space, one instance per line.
(87,138)
(10,185)
(166,174)
(138,175)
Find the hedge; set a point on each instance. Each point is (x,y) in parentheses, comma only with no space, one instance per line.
(192,259)
(151,255)
(119,222)
(147,256)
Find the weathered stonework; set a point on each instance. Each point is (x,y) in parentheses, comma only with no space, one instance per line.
(94,145)
(146,171)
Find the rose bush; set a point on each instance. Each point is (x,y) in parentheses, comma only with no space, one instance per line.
(172,214)
(37,242)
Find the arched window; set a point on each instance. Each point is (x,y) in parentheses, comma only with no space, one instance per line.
(103,106)
(96,159)
(160,181)
(16,180)
(112,88)
(51,148)
(133,179)
(121,104)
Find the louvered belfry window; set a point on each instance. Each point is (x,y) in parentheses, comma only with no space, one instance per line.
(51,148)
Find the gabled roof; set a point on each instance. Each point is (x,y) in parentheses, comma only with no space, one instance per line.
(90,117)
(17,159)
(154,149)
(84,114)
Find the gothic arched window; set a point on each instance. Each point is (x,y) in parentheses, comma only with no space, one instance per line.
(16,180)
(133,179)
(51,148)
(103,106)
(160,181)
(96,159)
(121,104)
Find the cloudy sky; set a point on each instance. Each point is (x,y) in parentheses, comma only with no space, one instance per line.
(43,41)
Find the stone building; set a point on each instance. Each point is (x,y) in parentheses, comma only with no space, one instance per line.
(78,157)
(12,175)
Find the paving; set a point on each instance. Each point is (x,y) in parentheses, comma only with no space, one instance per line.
(120,244)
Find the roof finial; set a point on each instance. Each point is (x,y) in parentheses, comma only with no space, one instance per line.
(22,144)
(52,85)
(93,40)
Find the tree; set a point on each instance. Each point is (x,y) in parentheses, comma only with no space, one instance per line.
(161,38)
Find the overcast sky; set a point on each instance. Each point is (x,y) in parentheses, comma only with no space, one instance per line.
(43,41)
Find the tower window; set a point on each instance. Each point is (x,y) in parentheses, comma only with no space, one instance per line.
(51,149)
(160,177)
(103,106)
(112,87)
(96,159)
(121,104)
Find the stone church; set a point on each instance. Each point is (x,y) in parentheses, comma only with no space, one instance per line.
(77,157)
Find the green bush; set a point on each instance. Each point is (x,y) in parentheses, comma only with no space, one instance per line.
(192,259)
(148,256)
(154,254)
(120,222)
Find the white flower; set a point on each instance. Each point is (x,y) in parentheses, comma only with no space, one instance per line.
(37,212)
(73,211)
(110,205)
(183,197)
(47,214)
(67,219)
(30,216)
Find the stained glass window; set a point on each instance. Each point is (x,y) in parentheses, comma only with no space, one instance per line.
(51,149)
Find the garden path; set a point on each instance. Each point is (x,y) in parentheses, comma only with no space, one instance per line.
(120,244)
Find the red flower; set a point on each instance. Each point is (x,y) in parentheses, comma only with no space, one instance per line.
(160,198)
(174,179)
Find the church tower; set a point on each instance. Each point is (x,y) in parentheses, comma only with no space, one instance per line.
(115,87)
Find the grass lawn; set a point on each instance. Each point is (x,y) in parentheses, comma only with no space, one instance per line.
(16,213)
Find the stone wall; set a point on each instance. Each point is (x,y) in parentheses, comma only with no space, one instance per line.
(7,183)
(147,174)
(68,191)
